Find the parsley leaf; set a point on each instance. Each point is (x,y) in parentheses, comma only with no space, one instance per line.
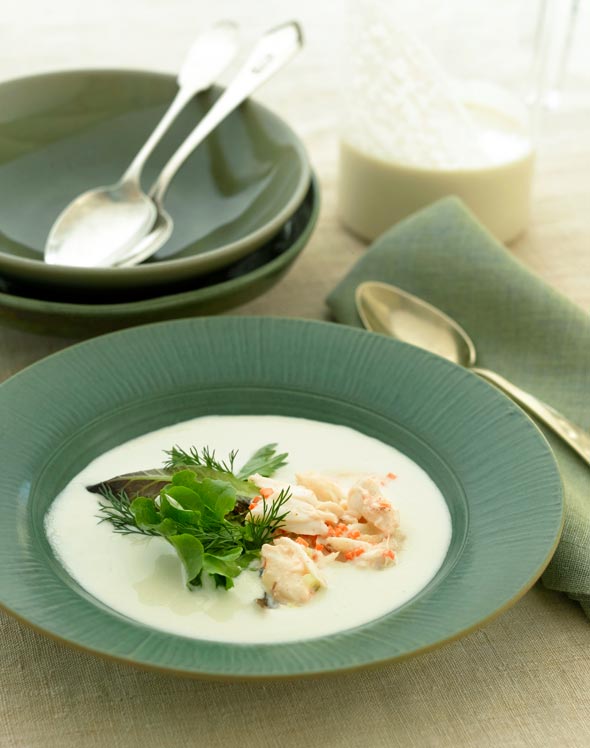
(264,461)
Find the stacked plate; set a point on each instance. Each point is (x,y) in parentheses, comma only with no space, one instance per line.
(244,205)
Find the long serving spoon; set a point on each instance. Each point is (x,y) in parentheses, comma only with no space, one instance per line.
(273,50)
(103,223)
(389,310)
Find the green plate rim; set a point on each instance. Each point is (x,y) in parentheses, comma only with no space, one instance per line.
(171,300)
(538,474)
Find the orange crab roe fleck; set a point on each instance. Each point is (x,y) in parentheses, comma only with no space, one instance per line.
(254,501)
(350,555)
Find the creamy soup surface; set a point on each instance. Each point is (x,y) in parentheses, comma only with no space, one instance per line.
(141,577)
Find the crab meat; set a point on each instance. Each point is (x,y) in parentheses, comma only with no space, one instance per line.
(325,489)
(366,500)
(289,574)
(378,556)
(306,515)
(374,554)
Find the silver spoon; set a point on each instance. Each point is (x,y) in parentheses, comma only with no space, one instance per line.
(273,50)
(389,310)
(102,223)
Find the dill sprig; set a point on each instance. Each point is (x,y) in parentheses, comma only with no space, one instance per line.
(205,457)
(260,529)
(116,510)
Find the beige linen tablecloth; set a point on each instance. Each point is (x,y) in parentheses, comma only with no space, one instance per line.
(524,680)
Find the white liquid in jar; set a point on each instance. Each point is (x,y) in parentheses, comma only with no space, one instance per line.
(414,135)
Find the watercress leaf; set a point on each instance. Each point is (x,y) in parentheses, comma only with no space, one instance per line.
(183,516)
(185,478)
(265,461)
(167,527)
(247,558)
(217,496)
(147,483)
(190,474)
(186,497)
(232,555)
(197,581)
(190,552)
(222,581)
(145,512)
(149,518)
(215,565)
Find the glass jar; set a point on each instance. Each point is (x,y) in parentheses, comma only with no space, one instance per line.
(441,100)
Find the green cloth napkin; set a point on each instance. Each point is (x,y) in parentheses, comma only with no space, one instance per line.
(521,327)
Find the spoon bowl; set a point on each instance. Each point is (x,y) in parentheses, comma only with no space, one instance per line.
(104,217)
(160,232)
(391,311)
(386,309)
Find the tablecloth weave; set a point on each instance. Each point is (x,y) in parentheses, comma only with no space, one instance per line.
(522,328)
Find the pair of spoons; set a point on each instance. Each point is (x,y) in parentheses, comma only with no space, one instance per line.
(120,225)
(388,310)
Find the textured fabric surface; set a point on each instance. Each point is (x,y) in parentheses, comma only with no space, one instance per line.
(521,682)
(521,328)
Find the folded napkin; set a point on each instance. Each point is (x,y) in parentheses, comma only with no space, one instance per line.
(521,327)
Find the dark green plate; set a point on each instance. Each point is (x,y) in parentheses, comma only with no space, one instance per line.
(71,315)
(64,133)
(494,467)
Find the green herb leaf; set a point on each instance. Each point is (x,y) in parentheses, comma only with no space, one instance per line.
(148,517)
(219,497)
(264,461)
(145,512)
(223,581)
(247,558)
(214,496)
(186,497)
(223,566)
(181,516)
(190,551)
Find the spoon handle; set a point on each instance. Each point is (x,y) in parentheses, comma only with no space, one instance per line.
(209,55)
(273,50)
(573,435)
